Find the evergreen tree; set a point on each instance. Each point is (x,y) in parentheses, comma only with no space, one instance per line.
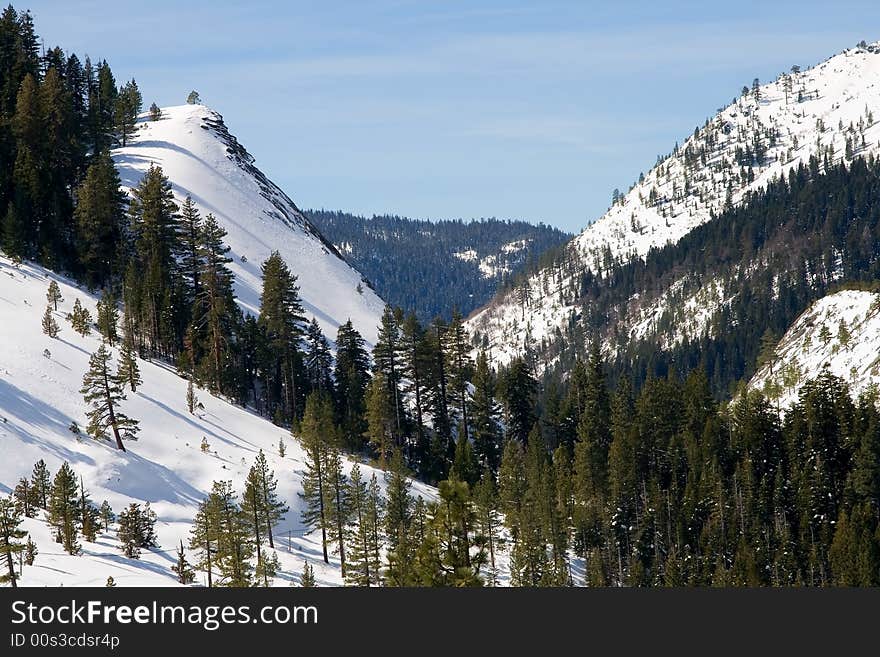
(317,358)
(107,515)
(129,103)
(387,370)
(205,535)
(519,393)
(99,217)
(41,484)
(317,426)
(380,417)
(234,546)
(351,375)
(80,319)
(50,326)
(25,498)
(183,569)
(88,514)
(10,538)
(484,416)
(103,391)
(108,317)
(153,217)
(129,371)
(155,112)
(398,521)
(215,310)
(337,507)
(63,509)
(307,579)
(281,319)
(53,295)
(460,371)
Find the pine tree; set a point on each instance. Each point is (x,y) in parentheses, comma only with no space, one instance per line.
(129,371)
(153,217)
(129,103)
(274,509)
(53,295)
(380,417)
(317,359)
(282,449)
(100,222)
(358,533)
(205,535)
(191,399)
(155,112)
(337,507)
(41,484)
(136,529)
(234,547)
(460,367)
(107,515)
(104,392)
(25,499)
(486,503)
(80,319)
(307,579)
(398,521)
(50,326)
(88,514)
(484,416)
(63,509)
(387,362)
(108,317)
(351,375)
(30,551)
(317,425)
(183,569)
(11,534)
(214,311)
(281,318)
(190,254)
(415,361)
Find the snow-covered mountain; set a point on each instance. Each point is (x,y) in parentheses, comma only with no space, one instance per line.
(40,380)
(203,160)
(840,333)
(829,111)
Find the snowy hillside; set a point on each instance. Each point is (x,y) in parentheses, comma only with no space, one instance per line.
(827,111)
(202,159)
(840,332)
(40,399)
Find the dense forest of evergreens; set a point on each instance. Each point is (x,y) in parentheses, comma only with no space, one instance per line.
(433,267)
(639,473)
(787,246)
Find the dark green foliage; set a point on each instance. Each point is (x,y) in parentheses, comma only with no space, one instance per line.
(103,391)
(136,529)
(351,375)
(281,323)
(183,569)
(64,509)
(10,539)
(418,265)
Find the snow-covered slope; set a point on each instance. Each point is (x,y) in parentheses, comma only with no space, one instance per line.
(202,159)
(840,332)
(40,398)
(831,110)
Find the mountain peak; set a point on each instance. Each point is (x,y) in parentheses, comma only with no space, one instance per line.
(204,160)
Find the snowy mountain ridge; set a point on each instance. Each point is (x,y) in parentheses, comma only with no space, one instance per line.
(839,333)
(202,159)
(40,381)
(827,111)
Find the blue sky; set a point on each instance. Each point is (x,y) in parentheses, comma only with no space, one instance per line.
(528,110)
